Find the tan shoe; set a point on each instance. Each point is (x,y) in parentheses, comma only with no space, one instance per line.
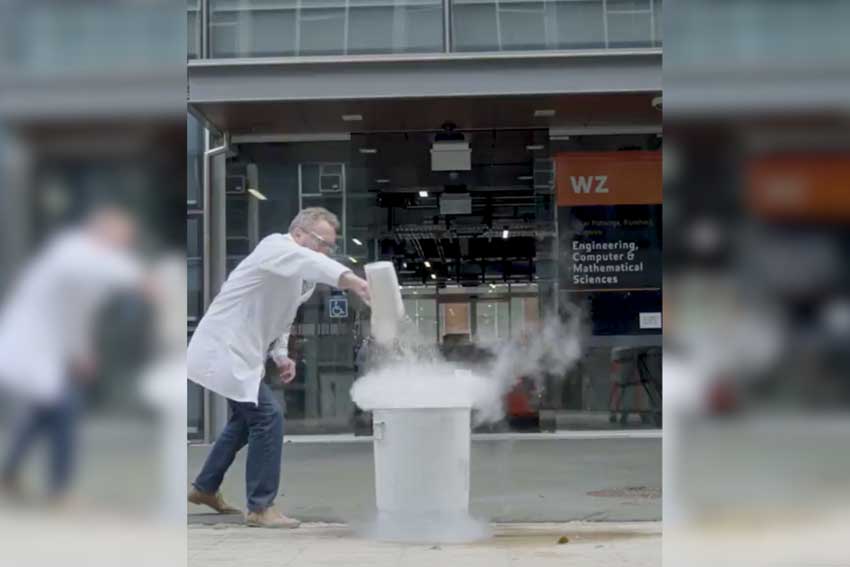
(214,501)
(269,518)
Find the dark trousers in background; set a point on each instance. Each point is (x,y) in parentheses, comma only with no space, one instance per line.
(57,422)
(261,428)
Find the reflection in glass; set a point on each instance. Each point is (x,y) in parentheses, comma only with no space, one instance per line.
(262,28)
(565,24)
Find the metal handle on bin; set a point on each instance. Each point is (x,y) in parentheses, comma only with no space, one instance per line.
(378,430)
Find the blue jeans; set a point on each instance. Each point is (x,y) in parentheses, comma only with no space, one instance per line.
(56,421)
(260,427)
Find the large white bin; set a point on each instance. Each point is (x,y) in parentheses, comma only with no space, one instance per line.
(422,475)
(422,460)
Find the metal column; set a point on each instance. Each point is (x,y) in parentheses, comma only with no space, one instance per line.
(215,259)
(15,195)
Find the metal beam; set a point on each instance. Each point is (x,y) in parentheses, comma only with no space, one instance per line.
(455,75)
(564,132)
(157,95)
(291,138)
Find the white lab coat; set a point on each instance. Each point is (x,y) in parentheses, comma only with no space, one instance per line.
(255,308)
(49,315)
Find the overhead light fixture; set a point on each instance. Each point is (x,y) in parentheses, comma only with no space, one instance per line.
(525,177)
(423,193)
(544,113)
(257,194)
(534,147)
(404,265)
(492,286)
(433,276)
(368,150)
(427,264)
(382,181)
(352,117)
(506,233)
(353,259)
(357,241)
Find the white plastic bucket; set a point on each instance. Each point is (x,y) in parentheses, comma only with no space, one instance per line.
(387,305)
(422,461)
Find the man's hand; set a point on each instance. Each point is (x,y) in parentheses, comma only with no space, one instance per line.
(356,284)
(286,366)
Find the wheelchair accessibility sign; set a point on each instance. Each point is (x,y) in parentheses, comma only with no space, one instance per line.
(338,307)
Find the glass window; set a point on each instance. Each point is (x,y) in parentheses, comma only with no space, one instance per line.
(469,324)
(630,23)
(194,162)
(237,216)
(194,237)
(319,179)
(455,322)
(263,28)
(195,411)
(474,26)
(310,179)
(521,25)
(223,34)
(194,402)
(422,28)
(423,313)
(324,349)
(563,24)
(492,324)
(323,185)
(195,288)
(658,23)
(403,28)
(321,30)
(525,315)
(499,26)
(266,33)
(580,25)
(193,29)
(609,387)
(195,276)
(194,225)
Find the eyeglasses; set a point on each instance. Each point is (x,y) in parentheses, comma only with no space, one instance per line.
(329,246)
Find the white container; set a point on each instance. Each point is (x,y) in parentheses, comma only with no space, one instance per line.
(422,476)
(387,305)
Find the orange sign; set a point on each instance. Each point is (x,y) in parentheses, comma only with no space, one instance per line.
(608,178)
(812,187)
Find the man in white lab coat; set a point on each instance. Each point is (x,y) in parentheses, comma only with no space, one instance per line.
(47,335)
(251,316)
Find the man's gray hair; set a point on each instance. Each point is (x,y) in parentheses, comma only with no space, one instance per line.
(307,218)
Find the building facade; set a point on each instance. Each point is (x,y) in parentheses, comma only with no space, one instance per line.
(347,105)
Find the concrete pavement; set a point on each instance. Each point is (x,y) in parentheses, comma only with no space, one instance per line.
(513,545)
(527,478)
